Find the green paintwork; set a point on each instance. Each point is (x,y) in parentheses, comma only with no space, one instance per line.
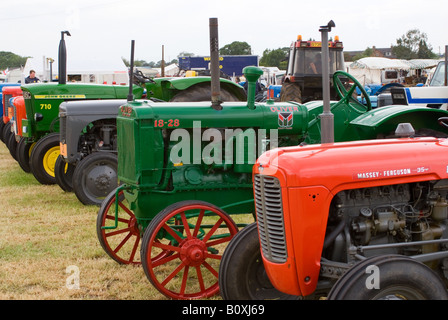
(166,88)
(45,98)
(152,180)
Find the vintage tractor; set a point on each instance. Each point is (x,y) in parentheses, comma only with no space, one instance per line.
(17,113)
(185,169)
(90,126)
(8,92)
(41,127)
(353,220)
(303,78)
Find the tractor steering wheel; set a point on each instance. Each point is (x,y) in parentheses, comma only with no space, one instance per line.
(347,95)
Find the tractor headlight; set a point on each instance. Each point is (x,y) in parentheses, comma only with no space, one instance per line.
(38,117)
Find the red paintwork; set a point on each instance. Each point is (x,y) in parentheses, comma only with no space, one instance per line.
(19,105)
(310,176)
(9,92)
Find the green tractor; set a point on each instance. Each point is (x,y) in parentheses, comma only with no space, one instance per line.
(42,101)
(185,172)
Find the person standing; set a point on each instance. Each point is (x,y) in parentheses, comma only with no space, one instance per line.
(32,77)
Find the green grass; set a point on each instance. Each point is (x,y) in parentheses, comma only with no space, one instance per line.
(44,230)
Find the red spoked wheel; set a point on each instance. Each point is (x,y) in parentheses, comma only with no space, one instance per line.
(192,249)
(121,243)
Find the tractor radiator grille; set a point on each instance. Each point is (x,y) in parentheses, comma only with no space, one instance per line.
(268,204)
(62,128)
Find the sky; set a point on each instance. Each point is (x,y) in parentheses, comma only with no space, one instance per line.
(102,30)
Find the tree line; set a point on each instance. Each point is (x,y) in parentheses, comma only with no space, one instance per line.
(412,45)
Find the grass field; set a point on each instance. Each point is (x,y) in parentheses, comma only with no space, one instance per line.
(48,238)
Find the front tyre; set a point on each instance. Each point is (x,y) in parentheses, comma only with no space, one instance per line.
(43,158)
(389,277)
(242,275)
(63,172)
(95,177)
(23,152)
(117,229)
(182,247)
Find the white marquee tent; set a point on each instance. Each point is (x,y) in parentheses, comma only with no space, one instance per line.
(370,70)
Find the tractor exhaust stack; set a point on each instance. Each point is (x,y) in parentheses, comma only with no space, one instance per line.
(214,65)
(63,59)
(326,118)
(131,73)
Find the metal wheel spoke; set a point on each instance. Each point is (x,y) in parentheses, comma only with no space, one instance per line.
(134,249)
(123,242)
(166,246)
(200,278)
(159,262)
(213,256)
(184,281)
(173,274)
(219,241)
(186,226)
(114,233)
(129,212)
(210,268)
(172,232)
(198,223)
(109,217)
(213,229)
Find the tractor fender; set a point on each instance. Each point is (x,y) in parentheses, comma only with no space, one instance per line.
(383,121)
(180,84)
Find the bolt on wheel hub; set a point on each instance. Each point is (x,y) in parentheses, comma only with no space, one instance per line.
(193,252)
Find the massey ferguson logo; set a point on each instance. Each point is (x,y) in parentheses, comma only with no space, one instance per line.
(285,119)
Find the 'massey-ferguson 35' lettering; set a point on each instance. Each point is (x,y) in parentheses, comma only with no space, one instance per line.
(372,174)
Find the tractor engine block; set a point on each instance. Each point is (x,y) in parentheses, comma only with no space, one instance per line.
(101,136)
(388,214)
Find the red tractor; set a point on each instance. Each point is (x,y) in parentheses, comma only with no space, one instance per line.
(350,220)
(303,77)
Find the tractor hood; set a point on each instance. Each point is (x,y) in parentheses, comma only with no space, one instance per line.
(75,91)
(373,162)
(92,108)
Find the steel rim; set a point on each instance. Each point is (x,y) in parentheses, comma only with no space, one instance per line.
(190,271)
(100,179)
(123,242)
(49,160)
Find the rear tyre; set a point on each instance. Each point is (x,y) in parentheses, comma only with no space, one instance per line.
(23,153)
(43,157)
(63,173)
(242,275)
(6,132)
(291,92)
(2,125)
(202,92)
(389,277)
(12,146)
(95,177)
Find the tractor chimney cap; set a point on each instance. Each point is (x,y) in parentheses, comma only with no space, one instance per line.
(404,130)
(328,27)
